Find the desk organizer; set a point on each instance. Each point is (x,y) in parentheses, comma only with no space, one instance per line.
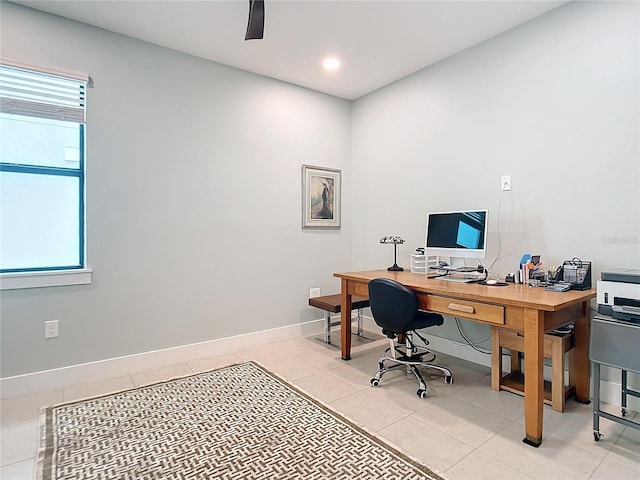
(421,263)
(418,263)
(577,274)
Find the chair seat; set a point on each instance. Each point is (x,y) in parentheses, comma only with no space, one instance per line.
(422,320)
(425,319)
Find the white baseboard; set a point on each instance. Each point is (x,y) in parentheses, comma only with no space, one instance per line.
(610,392)
(115,367)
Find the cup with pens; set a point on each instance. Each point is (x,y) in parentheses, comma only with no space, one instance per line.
(554,274)
(555,281)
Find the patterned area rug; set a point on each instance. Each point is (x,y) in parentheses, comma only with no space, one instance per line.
(237,422)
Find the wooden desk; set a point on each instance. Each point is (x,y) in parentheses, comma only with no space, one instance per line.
(529,311)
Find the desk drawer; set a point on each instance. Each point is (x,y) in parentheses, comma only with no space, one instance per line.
(483,312)
(514,341)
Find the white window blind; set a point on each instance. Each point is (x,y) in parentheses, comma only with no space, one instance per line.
(42,92)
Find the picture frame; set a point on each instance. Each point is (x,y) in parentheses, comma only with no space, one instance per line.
(321,197)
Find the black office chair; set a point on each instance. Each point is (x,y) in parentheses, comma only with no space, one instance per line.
(395,310)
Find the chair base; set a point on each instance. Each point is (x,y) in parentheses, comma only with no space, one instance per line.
(410,357)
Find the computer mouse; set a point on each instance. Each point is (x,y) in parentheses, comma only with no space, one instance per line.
(491,282)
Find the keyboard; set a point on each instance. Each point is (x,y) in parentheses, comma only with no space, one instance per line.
(450,278)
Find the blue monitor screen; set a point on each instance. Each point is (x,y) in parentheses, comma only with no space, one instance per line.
(468,236)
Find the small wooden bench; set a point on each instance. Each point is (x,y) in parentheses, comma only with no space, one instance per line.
(332,304)
(555,347)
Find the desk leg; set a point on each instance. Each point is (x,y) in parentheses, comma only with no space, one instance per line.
(582,368)
(345,320)
(496,359)
(533,375)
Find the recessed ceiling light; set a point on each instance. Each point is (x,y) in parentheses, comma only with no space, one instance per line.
(331,64)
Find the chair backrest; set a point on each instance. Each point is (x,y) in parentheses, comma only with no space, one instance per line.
(392,304)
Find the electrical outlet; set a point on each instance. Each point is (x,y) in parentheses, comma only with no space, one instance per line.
(314,292)
(505,183)
(51,329)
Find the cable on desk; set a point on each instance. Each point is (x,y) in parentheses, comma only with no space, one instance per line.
(468,342)
(500,220)
(463,344)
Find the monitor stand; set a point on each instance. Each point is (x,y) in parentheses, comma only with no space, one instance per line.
(457,265)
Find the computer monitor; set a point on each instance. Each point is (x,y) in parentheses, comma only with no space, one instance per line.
(457,235)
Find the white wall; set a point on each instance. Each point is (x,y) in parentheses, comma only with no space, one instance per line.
(553,103)
(193,201)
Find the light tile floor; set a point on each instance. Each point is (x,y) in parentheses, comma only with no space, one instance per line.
(464,430)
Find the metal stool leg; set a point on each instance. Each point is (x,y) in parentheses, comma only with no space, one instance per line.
(624,393)
(327,327)
(596,402)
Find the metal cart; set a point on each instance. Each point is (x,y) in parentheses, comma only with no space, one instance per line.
(613,343)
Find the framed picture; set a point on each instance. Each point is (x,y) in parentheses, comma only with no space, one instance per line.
(320,197)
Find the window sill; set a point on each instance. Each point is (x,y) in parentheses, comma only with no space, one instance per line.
(19,280)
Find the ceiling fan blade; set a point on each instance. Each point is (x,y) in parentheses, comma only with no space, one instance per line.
(255,26)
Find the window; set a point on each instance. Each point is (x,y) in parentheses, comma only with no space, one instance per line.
(42,172)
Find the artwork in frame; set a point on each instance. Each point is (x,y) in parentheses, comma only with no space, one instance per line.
(320,197)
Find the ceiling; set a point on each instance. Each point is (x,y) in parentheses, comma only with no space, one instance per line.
(377,42)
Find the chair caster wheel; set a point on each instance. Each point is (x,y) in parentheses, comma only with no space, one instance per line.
(375,382)
(421,393)
(448,379)
(597,436)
